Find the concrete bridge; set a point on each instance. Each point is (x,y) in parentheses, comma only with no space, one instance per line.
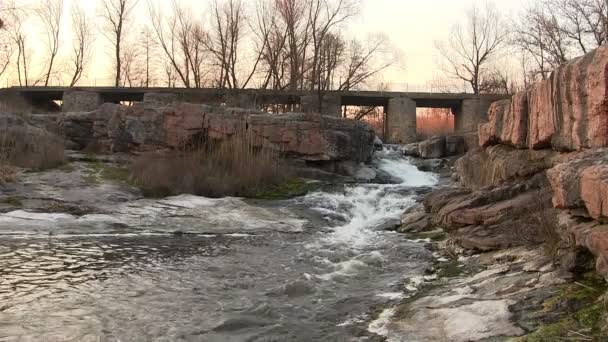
(399,107)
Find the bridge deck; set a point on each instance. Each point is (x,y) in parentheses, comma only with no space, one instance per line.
(348,98)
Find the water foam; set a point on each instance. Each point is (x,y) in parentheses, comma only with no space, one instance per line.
(367,207)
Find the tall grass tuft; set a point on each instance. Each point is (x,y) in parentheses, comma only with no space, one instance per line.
(30,148)
(241,165)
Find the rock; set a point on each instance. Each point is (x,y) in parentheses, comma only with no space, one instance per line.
(515,123)
(378,145)
(410,150)
(566,112)
(415,220)
(589,235)
(496,164)
(580,182)
(365,174)
(432,148)
(594,190)
(490,132)
(508,123)
(429,165)
(492,218)
(152,126)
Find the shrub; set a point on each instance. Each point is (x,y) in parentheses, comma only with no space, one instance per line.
(434,121)
(238,166)
(28,147)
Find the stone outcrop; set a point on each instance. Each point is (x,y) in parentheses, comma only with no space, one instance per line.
(566,112)
(165,124)
(491,218)
(497,164)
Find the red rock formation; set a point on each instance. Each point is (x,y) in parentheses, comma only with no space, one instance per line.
(594,190)
(568,111)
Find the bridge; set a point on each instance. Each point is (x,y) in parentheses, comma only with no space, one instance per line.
(399,107)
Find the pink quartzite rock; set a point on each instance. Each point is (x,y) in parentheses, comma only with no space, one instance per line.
(568,111)
(490,132)
(515,122)
(508,123)
(581,181)
(594,190)
(541,125)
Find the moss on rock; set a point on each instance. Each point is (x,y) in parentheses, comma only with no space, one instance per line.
(291,188)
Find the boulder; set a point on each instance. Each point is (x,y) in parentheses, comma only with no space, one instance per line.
(173,125)
(378,144)
(410,150)
(432,148)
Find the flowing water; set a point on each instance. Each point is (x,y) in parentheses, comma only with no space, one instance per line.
(316,268)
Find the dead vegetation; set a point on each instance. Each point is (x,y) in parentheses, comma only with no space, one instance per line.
(433,122)
(238,166)
(29,148)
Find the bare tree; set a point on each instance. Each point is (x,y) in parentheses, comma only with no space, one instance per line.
(50,13)
(182,40)
(470,48)
(19,37)
(323,17)
(82,42)
(147,45)
(116,13)
(361,65)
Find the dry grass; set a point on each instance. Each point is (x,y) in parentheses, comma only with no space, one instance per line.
(30,148)
(235,167)
(434,121)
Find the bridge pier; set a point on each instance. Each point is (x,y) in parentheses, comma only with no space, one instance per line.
(81,101)
(471,113)
(400,121)
(330,104)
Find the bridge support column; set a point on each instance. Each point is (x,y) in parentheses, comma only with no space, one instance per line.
(331,105)
(471,113)
(241,101)
(401,121)
(81,101)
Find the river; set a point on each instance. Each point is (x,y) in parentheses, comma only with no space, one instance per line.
(186,268)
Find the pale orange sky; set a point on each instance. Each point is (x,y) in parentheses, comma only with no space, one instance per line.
(413,26)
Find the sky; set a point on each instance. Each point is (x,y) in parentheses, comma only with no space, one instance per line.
(413,27)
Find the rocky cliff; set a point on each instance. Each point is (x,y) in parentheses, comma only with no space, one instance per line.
(540,174)
(153,125)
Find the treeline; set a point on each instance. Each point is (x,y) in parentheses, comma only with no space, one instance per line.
(271,44)
(493,53)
